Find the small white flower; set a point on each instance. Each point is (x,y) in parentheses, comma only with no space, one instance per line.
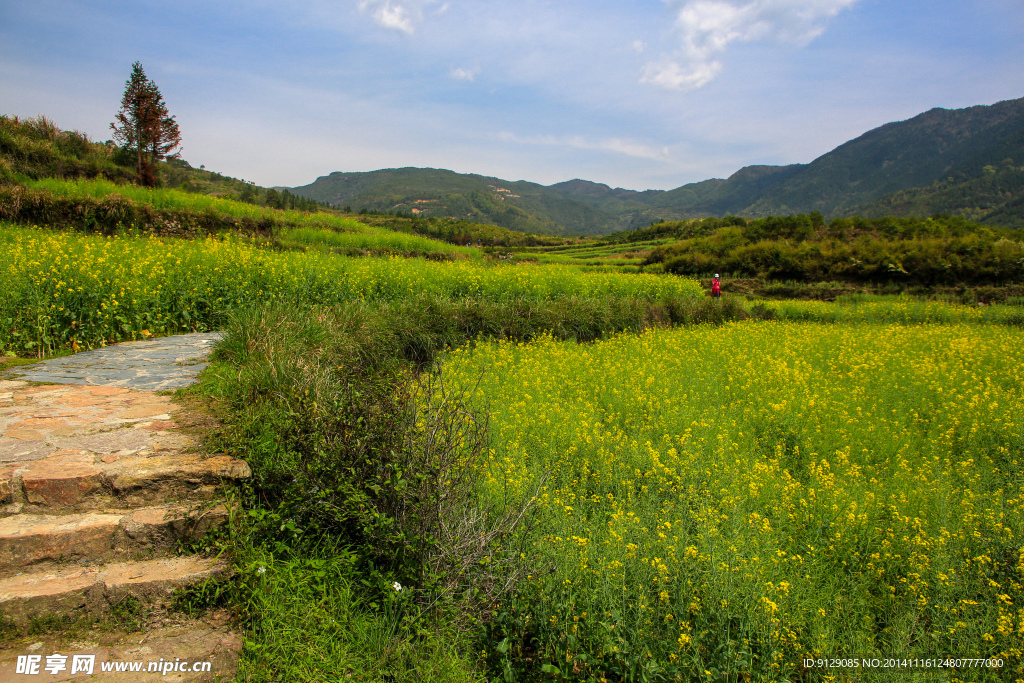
(397,586)
(261,570)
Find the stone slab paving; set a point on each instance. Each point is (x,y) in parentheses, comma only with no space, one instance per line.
(98,485)
(47,541)
(74,448)
(152,365)
(72,588)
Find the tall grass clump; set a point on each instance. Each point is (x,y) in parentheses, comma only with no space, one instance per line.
(307,622)
(37,148)
(720,503)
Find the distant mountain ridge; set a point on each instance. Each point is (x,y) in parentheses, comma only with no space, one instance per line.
(968,161)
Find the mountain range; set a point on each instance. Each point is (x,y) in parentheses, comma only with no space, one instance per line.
(962,161)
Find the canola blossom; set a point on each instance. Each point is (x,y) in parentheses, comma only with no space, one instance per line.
(82,291)
(731,500)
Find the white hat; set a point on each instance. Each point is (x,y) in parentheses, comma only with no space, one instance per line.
(716,274)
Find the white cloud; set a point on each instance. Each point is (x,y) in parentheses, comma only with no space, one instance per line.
(638,46)
(630,148)
(707,27)
(670,75)
(400,15)
(462,74)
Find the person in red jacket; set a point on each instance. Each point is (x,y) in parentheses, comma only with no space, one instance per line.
(716,287)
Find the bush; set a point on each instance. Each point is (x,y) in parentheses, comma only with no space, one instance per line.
(360,455)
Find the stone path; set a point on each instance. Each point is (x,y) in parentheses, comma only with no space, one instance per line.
(154,365)
(99,485)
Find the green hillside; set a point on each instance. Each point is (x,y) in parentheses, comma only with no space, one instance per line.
(50,176)
(36,148)
(996,197)
(428,192)
(937,144)
(959,161)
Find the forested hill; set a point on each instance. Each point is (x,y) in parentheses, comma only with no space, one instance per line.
(519,205)
(960,161)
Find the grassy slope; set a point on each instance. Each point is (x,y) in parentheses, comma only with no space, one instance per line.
(456,231)
(37,148)
(36,153)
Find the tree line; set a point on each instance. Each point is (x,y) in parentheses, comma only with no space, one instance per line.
(941,250)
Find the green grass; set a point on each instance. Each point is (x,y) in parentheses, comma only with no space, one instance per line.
(294,229)
(595,255)
(307,623)
(890,309)
(372,240)
(176,200)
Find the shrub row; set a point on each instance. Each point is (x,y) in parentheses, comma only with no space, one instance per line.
(974,259)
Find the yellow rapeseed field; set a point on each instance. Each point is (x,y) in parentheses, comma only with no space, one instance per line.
(733,500)
(64,289)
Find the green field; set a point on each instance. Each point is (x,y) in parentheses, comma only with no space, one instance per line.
(372,240)
(624,257)
(702,501)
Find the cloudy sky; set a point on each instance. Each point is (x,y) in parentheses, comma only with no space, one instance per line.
(634,93)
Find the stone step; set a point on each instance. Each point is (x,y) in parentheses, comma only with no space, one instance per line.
(69,448)
(34,540)
(69,482)
(93,589)
(190,642)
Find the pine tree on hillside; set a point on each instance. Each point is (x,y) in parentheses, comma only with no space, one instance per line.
(144,125)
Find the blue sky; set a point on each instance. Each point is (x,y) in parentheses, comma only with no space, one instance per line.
(633,93)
